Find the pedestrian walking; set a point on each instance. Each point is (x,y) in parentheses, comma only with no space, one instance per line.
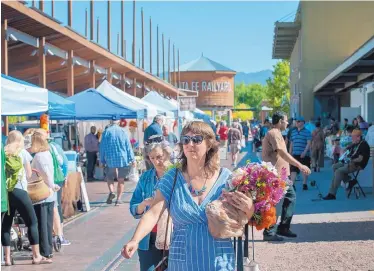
(274,150)
(118,157)
(91,145)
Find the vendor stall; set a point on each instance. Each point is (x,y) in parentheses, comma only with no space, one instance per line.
(19,99)
(130,101)
(93,105)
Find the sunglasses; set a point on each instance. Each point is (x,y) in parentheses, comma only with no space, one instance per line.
(158,139)
(197,139)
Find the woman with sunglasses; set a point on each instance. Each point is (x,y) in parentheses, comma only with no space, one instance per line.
(199,181)
(159,155)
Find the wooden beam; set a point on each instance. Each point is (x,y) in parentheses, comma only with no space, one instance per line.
(133,34)
(42,64)
(92,48)
(92,74)
(109,74)
(109,35)
(4,49)
(142,15)
(92,20)
(134,87)
(70,13)
(123,29)
(123,83)
(4,66)
(150,45)
(70,81)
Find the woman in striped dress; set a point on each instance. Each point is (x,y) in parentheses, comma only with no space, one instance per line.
(199,181)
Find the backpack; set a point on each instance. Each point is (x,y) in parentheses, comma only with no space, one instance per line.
(58,176)
(13,166)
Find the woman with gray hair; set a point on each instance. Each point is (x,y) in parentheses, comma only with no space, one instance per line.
(159,155)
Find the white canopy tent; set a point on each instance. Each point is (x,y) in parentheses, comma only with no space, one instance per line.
(124,98)
(19,99)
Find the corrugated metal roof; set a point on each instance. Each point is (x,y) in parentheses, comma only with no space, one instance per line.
(203,64)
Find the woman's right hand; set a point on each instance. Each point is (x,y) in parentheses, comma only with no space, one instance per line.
(129,249)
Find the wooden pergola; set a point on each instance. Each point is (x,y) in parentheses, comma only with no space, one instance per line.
(38,49)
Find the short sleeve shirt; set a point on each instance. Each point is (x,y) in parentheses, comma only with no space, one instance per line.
(272,142)
(22,180)
(299,139)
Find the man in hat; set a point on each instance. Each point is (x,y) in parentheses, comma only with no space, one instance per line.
(357,158)
(301,139)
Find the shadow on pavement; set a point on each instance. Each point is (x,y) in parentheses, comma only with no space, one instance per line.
(333,232)
(305,203)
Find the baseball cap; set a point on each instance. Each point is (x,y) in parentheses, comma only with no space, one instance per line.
(300,118)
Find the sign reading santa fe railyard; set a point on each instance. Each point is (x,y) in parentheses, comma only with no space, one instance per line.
(224,86)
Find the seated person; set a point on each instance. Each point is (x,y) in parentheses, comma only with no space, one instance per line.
(356,159)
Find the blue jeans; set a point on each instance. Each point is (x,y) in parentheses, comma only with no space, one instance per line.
(150,258)
(288,208)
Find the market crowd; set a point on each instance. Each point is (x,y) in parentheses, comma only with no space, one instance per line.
(35,169)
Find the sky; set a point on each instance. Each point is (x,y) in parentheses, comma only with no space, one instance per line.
(238,35)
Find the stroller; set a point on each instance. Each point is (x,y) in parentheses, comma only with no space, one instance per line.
(19,237)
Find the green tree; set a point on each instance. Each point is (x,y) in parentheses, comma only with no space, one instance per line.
(250,95)
(278,87)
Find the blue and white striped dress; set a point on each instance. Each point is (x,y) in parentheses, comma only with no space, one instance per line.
(192,246)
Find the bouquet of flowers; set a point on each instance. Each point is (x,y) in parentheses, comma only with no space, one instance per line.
(259,181)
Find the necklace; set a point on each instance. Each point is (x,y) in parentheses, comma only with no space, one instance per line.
(193,191)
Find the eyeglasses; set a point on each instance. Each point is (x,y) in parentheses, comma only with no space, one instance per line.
(197,139)
(157,139)
(158,157)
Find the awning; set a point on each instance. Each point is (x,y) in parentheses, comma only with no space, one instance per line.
(156,99)
(59,108)
(354,72)
(92,105)
(18,99)
(285,36)
(129,101)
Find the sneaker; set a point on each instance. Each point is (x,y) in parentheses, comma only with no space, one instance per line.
(329,197)
(286,233)
(65,242)
(305,187)
(110,199)
(273,238)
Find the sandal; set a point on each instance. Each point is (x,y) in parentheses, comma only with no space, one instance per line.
(43,260)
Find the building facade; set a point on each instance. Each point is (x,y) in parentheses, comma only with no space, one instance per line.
(320,38)
(213,82)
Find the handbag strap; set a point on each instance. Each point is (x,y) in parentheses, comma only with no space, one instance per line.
(168,220)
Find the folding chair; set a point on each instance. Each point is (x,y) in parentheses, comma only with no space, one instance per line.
(353,183)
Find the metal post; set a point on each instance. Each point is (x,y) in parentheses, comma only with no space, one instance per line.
(122,28)
(142,16)
(163,57)
(158,57)
(98,30)
(150,45)
(92,20)
(133,34)
(109,35)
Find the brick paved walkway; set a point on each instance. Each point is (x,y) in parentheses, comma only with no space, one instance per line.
(98,236)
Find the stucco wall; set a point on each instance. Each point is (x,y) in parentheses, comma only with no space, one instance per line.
(331,32)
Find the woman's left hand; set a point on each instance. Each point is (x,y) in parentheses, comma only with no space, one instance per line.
(240,201)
